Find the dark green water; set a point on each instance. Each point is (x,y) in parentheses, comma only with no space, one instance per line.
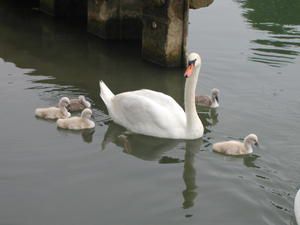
(250,51)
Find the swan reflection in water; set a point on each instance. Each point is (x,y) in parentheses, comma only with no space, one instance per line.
(143,147)
(154,149)
(249,160)
(208,116)
(192,147)
(86,134)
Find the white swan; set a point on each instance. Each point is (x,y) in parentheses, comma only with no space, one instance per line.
(78,104)
(77,123)
(55,112)
(297,207)
(209,101)
(156,114)
(236,147)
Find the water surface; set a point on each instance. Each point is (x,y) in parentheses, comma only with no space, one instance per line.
(250,51)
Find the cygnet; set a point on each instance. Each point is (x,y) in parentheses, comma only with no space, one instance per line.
(236,147)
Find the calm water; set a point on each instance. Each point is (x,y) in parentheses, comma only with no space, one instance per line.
(250,51)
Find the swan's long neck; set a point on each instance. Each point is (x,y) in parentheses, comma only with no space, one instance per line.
(193,121)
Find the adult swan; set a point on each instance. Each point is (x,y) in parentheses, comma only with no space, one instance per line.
(156,114)
(297,207)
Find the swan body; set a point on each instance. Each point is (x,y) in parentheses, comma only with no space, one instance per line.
(154,113)
(76,122)
(209,101)
(78,104)
(297,207)
(54,112)
(236,147)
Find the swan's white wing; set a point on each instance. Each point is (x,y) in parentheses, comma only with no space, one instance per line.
(149,112)
(158,97)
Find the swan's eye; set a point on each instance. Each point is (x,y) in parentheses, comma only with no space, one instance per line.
(192,62)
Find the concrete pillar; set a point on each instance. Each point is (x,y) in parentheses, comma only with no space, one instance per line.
(65,8)
(196,4)
(103,18)
(164,32)
(131,19)
(115,19)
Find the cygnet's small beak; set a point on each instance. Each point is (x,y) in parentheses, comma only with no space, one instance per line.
(189,70)
(217,98)
(256,144)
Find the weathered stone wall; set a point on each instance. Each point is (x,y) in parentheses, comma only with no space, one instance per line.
(162,25)
(196,4)
(131,19)
(163,33)
(115,19)
(103,18)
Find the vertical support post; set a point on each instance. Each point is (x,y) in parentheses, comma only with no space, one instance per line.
(131,19)
(103,18)
(115,19)
(185,32)
(164,32)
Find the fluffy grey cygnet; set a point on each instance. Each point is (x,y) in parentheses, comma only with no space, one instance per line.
(53,112)
(236,147)
(76,122)
(78,104)
(209,101)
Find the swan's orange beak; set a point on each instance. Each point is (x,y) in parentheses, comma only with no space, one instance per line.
(189,70)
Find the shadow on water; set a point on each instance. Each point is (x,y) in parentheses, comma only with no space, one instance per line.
(281,21)
(189,173)
(155,149)
(142,147)
(208,116)
(69,61)
(249,161)
(86,134)
(75,60)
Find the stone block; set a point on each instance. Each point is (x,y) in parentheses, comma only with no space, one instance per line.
(115,19)
(164,33)
(196,4)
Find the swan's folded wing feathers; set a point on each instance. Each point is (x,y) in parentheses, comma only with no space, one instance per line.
(142,111)
(158,97)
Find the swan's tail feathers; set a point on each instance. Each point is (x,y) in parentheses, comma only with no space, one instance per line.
(105,93)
